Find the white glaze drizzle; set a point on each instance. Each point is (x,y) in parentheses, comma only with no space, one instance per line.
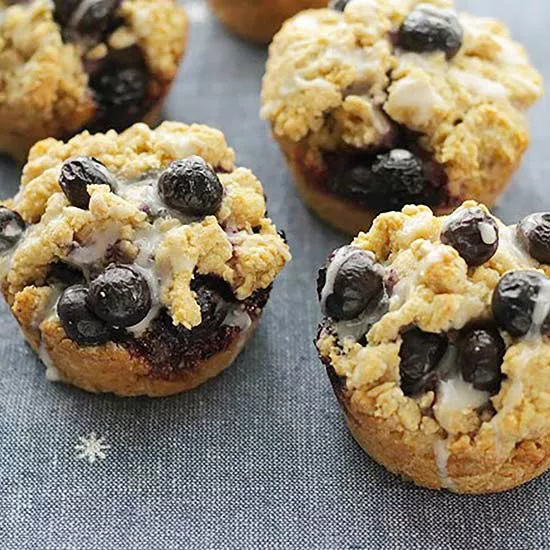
(80,12)
(540,311)
(511,246)
(489,234)
(334,266)
(356,328)
(238,317)
(442,454)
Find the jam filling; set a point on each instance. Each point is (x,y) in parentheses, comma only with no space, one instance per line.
(171,349)
(386,177)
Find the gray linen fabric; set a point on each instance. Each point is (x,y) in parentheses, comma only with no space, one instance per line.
(259,457)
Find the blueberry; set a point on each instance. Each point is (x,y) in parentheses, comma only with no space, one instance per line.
(339,5)
(481,353)
(77,19)
(399,176)
(120,90)
(12,227)
(420,354)
(534,232)
(351,284)
(79,322)
(191,187)
(520,302)
(213,312)
(79,172)
(353,181)
(473,234)
(120,296)
(429,29)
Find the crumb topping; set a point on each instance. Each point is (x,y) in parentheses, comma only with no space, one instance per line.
(239,244)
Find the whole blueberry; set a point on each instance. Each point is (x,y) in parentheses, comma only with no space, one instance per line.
(521,302)
(473,234)
(12,227)
(353,181)
(350,284)
(534,233)
(120,296)
(79,172)
(91,19)
(481,353)
(121,90)
(399,176)
(79,322)
(420,354)
(428,29)
(191,187)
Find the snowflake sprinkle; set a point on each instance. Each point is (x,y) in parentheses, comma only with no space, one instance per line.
(91,448)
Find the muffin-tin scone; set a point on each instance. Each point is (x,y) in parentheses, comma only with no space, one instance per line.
(259,20)
(140,262)
(381,103)
(436,338)
(66,65)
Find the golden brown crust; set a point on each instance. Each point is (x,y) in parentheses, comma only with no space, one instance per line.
(335,82)
(448,438)
(43,85)
(415,461)
(259,20)
(113,369)
(238,245)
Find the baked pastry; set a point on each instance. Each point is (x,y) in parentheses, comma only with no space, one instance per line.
(381,103)
(140,262)
(66,65)
(436,339)
(259,20)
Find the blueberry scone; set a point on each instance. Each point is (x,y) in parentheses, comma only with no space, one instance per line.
(140,262)
(381,103)
(259,20)
(66,65)
(436,338)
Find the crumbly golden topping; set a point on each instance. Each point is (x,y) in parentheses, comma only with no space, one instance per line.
(335,79)
(437,292)
(159,27)
(239,244)
(43,85)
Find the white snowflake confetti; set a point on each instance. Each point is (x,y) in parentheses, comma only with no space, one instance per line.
(197,12)
(91,448)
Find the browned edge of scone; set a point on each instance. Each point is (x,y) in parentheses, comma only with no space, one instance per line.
(469,475)
(130,366)
(259,21)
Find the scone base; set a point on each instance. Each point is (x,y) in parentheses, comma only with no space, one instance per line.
(260,22)
(413,463)
(111,369)
(17,146)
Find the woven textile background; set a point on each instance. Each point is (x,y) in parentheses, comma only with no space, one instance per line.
(259,457)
